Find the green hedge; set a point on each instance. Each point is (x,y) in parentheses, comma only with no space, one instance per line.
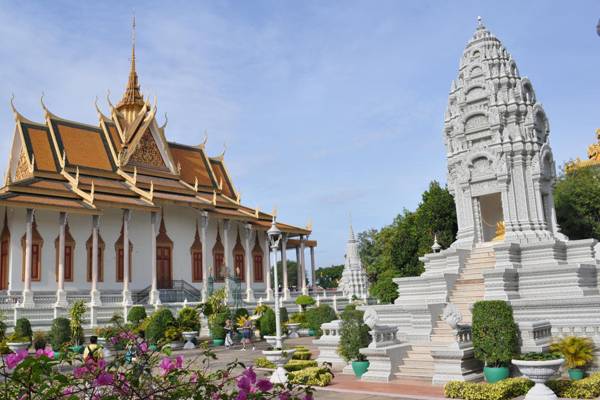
(136,314)
(302,355)
(587,388)
(267,323)
(314,376)
(60,333)
(23,328)
(217,330)
(297,365)
(189,319)
(317,316)
(494,332)
(503,390)
(158,324)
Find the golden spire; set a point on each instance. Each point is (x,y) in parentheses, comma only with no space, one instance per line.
(132,98)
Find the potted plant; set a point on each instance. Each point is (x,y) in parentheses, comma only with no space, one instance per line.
(217,330)
(539,367)
(189,321)
(76,313)
(60,334)
(40,340)
(354,335)
(23,329)
(577,351)
(494,337)
(16,342)
(173,336)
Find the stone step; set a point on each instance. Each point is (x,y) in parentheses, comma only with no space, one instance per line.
(418,357)
(417,368)
(416,376)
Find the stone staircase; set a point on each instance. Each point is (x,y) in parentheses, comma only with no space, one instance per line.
(468,288)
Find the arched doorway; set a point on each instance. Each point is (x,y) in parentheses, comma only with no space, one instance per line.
(164,252)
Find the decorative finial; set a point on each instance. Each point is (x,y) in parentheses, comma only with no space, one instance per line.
(44,105)
(12,105)
(436,246)
(166,122)
(479,20)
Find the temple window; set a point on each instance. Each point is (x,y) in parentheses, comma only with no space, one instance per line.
(196,253)
(218,258)
(238,258)
(36,253)
(257,258)
(4,254)
(88,246)
(120,254)
(69,254)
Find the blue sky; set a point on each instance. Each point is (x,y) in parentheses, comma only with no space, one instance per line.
(327,107)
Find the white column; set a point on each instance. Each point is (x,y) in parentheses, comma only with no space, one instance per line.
(286,289)
(127,301)
(154,297)
(27,293)
(303,265)
(298,271)
(203,227)
(267,262)
(248,257)
(95,293)
(226,260)
(61,295)
(312,268)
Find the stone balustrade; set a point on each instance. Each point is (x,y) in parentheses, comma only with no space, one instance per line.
(535,336)
(382,336)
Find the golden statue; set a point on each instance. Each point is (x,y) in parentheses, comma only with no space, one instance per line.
(593,157)
(500,231)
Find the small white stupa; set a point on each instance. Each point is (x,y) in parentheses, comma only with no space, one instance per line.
(354,278)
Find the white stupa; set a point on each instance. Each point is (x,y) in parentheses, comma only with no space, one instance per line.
(354,278)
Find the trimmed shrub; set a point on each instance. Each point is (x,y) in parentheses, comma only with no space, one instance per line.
(136,314)
(188,319)
(60,333)
(23,328)
(494,332)
(267,323)
(314,376)
(299,318)
(305,300)
(262,362)
(297,365)
(319,315)
(503,390)
(217,330)
(158,324)
(586,388)
(40,340)
(354,335)
(302,355)
(2,330)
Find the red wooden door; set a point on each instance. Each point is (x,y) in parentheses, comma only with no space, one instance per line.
(4,266)
(163,265)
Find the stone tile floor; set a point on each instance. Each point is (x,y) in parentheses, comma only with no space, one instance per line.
(343,385)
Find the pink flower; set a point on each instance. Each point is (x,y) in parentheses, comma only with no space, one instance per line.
(194,378)
(264,385)
(68,391)
(101,363)
(308,396)
(44,352)
(243,383)
(14,359)
(242,396)
(143,347)
(179,362)
(79,372)
(250,374)
(104,379)
(284,396)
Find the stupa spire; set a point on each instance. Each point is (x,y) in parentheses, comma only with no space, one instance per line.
(132,98)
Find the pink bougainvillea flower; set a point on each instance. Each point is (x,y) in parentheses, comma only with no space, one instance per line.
(284,396)
(166,365)
(308,396)
(264,385)
(14,359)
(179,362)
(143,347)
(79,372)
(194,378)
(243,383)
(104,379)
(68,391)
(242,396)
(250,374)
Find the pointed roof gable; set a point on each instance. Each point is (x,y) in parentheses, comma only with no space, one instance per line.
(223,180)
(194,165)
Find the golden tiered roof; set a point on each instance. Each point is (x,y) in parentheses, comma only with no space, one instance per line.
(123,162)
(593,156)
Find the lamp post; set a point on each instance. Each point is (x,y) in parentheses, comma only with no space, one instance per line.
(274,238)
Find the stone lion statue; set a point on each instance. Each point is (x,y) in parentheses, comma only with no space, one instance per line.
(452,316)
(370,317)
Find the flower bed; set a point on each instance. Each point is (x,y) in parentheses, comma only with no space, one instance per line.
(315,376)
(292,365)
(503,390)
(586,388)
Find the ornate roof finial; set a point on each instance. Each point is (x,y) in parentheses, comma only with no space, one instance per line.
(436,246)
(132,95)
(479,20)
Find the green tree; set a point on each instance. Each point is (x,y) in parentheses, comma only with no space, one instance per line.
(576,197)
(329,277)
(394,250)
(292,269)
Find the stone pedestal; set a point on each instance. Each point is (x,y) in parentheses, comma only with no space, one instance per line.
(384,361)
(328,344)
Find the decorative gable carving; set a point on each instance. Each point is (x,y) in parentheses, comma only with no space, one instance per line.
(22,170)
(147,153)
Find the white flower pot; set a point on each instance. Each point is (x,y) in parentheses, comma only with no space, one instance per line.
(176,345)
(189,336)
(293,328)
(539,372)
(279,358)
(16,346)
(272,340)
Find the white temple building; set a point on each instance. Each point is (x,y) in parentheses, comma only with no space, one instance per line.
(354,282)
(508,246)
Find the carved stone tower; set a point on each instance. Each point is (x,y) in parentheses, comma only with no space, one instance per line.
(354,280)
(500,165)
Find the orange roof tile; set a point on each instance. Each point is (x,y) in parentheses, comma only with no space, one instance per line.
(84,146)
(193,164)
(114,136)
(38,142)
(221,175)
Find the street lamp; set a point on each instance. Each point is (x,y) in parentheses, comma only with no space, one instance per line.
(274,238)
